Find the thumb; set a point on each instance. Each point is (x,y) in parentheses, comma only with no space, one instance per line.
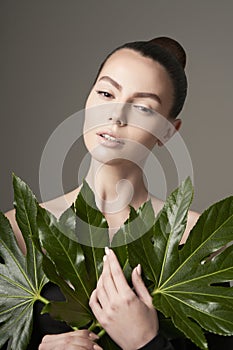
(140,287)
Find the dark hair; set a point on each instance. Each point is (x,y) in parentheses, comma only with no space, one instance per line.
(171,55)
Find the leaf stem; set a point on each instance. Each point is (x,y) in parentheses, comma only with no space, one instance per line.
(101,333)
(96,324)
(93,326)
(43,300)
(155,291)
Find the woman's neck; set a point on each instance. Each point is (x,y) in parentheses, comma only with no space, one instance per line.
(116,186)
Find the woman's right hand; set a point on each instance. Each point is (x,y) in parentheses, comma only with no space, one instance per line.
(128,316)
(76,340)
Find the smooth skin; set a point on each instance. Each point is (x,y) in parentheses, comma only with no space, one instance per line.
(116,305)
(77,340)
(127,78)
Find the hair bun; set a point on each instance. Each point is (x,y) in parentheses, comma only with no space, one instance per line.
(173,47)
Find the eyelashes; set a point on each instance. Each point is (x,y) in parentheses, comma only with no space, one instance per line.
(105,94)
(143,109)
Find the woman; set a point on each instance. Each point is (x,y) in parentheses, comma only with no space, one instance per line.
(140,89)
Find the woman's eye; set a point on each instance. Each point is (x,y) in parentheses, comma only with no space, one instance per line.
(144,109)
(104,94)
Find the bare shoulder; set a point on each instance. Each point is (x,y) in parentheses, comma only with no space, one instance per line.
(192,219)
(192,216)
(56,206)
(11,217)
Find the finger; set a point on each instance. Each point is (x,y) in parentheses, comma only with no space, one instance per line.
(140,287)
(66,344)
(108,282)
(81,339)
(84,333)
(52,346)
(101,294)
(95,305)
(117,273)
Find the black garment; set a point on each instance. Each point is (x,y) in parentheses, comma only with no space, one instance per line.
(215,342)
(158,343)
(44,324)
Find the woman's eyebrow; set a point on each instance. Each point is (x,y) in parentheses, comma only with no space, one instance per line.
(136,94)
(148,95)
(113,82)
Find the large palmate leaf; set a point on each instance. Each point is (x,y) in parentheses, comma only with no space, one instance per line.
(190,290)
(91,231)
(72,265)
(184,280)
(139,222)
(73,259)
(21,277)
(64,264)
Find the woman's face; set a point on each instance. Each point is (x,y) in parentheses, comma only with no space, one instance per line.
(128,107)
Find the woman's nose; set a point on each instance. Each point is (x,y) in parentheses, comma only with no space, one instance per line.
(118,114)
(117,121)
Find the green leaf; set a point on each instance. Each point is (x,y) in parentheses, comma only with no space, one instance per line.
(142,250)
(168,329)
(159,244)
(191,291)
(107,343)
(64,264)
(21,277)
(169,229)
(74,311)
(25,204)
(74,247)
(92,232)
(183,281)
(133,231)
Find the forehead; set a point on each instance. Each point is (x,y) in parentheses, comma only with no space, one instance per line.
(130,68)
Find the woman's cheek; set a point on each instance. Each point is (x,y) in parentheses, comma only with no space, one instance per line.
(143,137)
(89,140)
(93,100)
(89,100)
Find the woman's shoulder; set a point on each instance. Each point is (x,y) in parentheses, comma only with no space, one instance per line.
(192,216)
(192,219)
(11,217)
(56,206)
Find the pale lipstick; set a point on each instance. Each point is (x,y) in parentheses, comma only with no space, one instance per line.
(109,138)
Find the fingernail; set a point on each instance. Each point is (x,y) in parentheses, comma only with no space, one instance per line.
(139,269)
(93,336)
(107,250)
(104,258)
(96,347)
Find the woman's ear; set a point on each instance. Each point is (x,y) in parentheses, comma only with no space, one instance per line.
(173,127)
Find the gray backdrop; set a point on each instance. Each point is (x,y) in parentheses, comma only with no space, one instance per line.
(50,51)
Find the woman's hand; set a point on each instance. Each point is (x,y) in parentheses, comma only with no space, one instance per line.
(76,340)
(129,318)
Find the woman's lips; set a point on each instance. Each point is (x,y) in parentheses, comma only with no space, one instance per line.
(109,139)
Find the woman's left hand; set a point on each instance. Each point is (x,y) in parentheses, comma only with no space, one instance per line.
(76,340)
(128,317)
